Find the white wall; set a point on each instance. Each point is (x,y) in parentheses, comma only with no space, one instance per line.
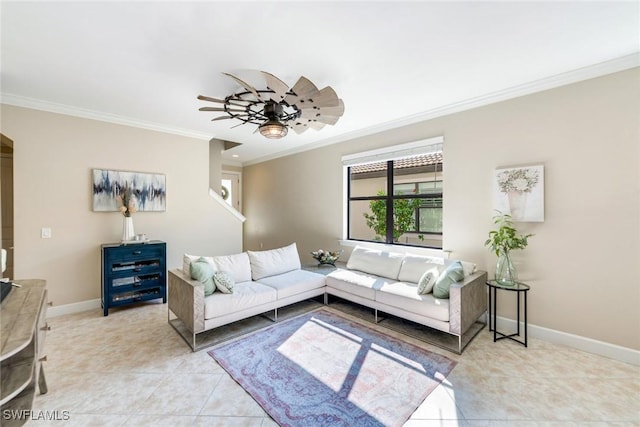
(583,264)
(53,158)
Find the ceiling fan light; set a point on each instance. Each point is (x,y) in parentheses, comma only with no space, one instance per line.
(273,129)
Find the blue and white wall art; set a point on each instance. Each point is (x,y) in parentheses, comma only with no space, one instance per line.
(149,190)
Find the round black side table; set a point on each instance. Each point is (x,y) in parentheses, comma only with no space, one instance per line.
(520,289)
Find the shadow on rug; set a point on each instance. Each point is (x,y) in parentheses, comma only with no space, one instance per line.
(322,369)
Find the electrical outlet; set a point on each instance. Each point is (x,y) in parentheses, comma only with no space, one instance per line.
(45,233)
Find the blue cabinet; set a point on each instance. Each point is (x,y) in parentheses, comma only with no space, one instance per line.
(134,272)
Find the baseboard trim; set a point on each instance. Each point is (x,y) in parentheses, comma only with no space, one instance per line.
(578,342)
(77,307)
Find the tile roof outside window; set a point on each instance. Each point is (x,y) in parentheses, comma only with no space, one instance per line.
(408,162)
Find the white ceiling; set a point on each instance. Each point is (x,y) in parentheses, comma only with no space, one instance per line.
(144,63)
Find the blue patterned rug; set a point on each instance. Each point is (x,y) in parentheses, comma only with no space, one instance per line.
(322,369)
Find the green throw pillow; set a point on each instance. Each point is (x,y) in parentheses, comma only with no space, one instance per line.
(202,271)
(428,280)
(451,275)
(224,282)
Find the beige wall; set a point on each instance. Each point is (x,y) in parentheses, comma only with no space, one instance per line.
(53,158)
(583,263)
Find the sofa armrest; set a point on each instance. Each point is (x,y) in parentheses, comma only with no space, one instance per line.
(186,300)
(467,302)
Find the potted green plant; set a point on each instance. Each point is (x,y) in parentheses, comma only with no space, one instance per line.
(502,241)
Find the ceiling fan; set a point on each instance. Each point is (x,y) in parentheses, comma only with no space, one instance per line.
(278,107)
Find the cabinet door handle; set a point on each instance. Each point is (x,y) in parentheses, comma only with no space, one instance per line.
(50,303)
(46,327)
(43,358)
(137,252)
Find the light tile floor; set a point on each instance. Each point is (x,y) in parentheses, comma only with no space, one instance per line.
(132,369)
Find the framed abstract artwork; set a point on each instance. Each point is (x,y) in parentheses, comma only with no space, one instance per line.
(148,190)
(519,192)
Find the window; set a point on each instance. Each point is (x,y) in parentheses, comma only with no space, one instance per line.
(397,200)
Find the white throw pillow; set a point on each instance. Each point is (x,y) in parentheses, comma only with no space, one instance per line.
(237,266)
(428,280)
(380,263)
(223,281)
(274,261)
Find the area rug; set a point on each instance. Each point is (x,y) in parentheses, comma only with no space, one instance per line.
(323,369)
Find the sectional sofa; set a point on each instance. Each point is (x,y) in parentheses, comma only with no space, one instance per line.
(264,281)
(389,282)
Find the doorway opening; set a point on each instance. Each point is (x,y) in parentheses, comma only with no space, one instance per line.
(231,189)
(6,205)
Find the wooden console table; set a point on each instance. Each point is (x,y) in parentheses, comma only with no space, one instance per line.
(23,326)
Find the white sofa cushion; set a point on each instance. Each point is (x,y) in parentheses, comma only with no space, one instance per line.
(468,268)
(237,265)
(188,259)
(274,261)
(414,266)
(245,295)
(405,296)
(294,282)
(357,283)
(385,264)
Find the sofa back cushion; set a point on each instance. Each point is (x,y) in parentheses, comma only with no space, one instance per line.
(274,261)
(188,259)
(237,266)
(414,266)
(372,261)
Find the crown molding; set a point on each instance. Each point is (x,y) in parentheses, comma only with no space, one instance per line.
(597,70)
(563,79)
(52,107)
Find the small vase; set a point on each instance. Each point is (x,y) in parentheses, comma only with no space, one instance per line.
(127,229)
(506,273)
(321,263)
(517,204)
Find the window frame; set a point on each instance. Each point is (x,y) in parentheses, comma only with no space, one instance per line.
(389,154)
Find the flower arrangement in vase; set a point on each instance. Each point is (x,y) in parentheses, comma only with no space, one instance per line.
(326,257)
(126,200)
(502,241)
(516,184)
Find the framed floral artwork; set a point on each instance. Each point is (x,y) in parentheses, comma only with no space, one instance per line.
(519,192)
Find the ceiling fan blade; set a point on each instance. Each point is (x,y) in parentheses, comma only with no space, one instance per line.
(299,128)
(245,85)
(236,102)
(208,98)
(239,124)
(301,89)
(235,110)
(327,115)
(326,97)
(316,125)
(229,117)
(279,87)
(329,120)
